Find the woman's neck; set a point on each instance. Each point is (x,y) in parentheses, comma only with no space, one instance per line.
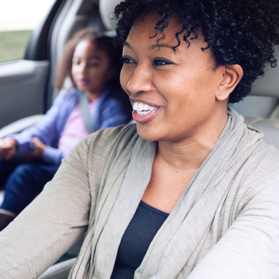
(188,155)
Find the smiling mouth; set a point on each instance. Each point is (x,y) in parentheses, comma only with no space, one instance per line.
(143,112)
(143,109)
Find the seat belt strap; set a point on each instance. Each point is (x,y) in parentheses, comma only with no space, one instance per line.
(85,112)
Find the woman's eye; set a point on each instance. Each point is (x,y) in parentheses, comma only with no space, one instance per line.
(161,62)
(126,60)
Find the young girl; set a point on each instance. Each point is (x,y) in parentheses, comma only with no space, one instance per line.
(93,64)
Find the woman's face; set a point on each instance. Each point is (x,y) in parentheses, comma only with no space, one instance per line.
(173,93)
(90,67)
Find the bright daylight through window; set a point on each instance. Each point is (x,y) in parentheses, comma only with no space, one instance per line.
(17,20)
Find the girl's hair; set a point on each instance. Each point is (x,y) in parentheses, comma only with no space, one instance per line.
(64,66)
(240,32)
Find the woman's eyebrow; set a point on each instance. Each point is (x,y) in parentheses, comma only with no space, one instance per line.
(127,45)
(163,45)
(153,46)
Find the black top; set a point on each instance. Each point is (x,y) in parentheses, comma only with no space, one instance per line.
(136,240)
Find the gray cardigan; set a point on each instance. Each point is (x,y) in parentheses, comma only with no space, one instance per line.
(226,224)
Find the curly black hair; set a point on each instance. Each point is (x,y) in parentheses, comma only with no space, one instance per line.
(240,32)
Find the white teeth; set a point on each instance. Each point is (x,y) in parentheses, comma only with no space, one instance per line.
(140,106)
(143,112)
(145,107)
(142,109)
(136,106)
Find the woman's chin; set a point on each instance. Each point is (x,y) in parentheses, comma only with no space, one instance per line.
(147,132)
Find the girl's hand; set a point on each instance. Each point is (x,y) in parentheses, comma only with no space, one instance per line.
(7,148)
(38,150)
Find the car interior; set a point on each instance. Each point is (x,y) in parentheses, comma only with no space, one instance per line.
(27,91)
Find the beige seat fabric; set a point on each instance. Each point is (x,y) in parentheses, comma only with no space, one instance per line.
(256,106)
(266,86)
(106,11)
(263,101)
(270,128)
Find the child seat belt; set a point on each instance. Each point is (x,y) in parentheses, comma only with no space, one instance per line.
(85,112)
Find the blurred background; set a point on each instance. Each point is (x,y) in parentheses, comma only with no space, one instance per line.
(17,20)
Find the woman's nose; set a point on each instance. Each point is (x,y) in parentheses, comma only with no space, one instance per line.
(141,80)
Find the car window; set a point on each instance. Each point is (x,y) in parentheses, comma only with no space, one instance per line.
(17,20)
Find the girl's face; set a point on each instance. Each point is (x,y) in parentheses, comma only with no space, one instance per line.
(173,93)
(90,68)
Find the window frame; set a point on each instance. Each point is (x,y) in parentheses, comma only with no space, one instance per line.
(38,46)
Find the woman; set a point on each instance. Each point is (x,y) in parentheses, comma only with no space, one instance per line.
(208,177)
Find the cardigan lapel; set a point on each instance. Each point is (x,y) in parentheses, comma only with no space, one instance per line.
(121,203)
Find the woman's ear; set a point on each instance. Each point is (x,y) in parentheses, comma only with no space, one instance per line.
(231,76)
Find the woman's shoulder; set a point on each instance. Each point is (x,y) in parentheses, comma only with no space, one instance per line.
(102,148)
(103,141)
(119,135)
(260,175)
(254,190)
(267,157)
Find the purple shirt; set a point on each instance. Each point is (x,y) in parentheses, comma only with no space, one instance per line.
(108,112)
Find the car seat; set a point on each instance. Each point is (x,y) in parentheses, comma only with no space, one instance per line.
(267,87)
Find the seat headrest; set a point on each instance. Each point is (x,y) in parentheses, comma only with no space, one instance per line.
(106,10)
(268,85)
